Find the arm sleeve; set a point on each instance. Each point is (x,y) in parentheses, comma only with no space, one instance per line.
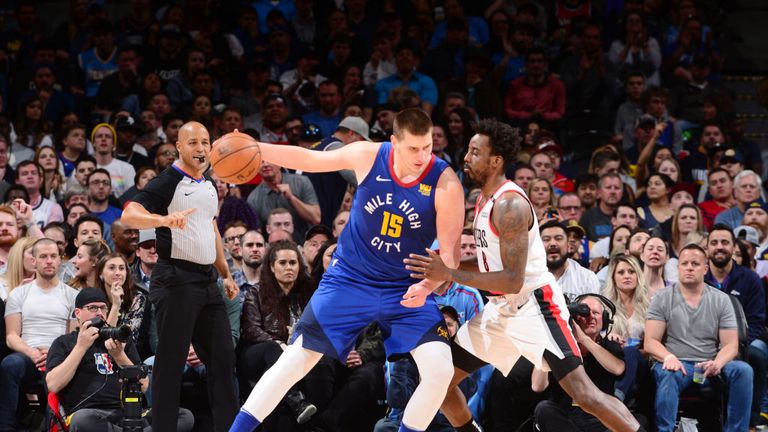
(156,195)
(656,310)
(57,353)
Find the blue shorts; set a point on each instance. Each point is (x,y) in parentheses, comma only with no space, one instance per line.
(342,307)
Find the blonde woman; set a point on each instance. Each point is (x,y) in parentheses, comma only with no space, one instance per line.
(543,198)
(20,267)
(686,221)
(626,288)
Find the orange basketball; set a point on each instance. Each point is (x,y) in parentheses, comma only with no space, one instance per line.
(236,157)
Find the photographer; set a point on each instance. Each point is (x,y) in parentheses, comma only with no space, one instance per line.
(603,362)
(83,369)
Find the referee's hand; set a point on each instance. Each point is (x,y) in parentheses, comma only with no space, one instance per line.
(176,219)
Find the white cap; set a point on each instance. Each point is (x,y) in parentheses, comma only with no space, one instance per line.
(146,235)
(357,125)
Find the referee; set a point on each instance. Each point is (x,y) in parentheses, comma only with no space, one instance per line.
(181,204)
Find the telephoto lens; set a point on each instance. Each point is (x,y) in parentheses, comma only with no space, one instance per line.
(122,333)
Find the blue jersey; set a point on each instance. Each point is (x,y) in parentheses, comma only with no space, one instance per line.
(389,220)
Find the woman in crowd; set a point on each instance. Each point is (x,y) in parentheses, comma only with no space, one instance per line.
(30,130)
(269,314)
(530,138)
(654,257)
(617,245)
(322,261)
(201,110)
(626,288)
(126,303)
(53,173)
(687,219)
(459,133)
(657,189)
(20,267)
(86,259)
(543,198)
(143,176)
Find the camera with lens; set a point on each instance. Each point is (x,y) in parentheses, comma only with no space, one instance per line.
(122,333)
(131,396)
(578,310)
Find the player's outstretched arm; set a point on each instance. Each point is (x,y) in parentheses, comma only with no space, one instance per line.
(356,156)
(512,218)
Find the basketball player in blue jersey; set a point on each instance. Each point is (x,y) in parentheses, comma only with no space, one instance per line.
(406,198)
(528,317)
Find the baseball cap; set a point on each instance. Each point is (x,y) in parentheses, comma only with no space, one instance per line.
(274,96)
(549,146)
(574,227)
(318,229)
(747,233)
(127,122)
(90,295)
(732,156)
(687,187)
(757,204)
(357,125)
(146,235)
(645,121)
(450,311)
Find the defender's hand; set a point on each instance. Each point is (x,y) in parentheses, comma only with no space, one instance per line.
(427,267)
(416,295)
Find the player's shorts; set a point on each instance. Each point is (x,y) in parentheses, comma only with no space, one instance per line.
(506,330)
(342,307)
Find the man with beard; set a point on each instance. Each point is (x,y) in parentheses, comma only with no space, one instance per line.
(756,216)
(574,279)
(99,185)
(586,189)
(254,246)
(231,237)
(745,285)
(126,240)
(271,128)
(746,188)
(9,227)
(30,176)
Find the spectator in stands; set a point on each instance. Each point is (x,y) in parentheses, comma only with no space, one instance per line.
(381,64)
(268,315)
(165,155)
(569,207)
(548,146)
(636,53)
(316,237)
(688,98)
(655,104)
(328,116)
(690,324)
(232,238)
(747,187)
(279,225)
(141,274)
(294,192)
(121,173)
(406,60)
(586,188)
(574,279)
(232,208)
(695,165)
(128,131)
(83,167)
(124,82)
(126,303)
(98,62)
(58,232)
(9,227)
(271,127)
(657,189)
(254,248)
(624,214)
(179,88)
(720,187)
(607,159)
(476,26)
(588,76)
(7,174)
(75,212)
(603,361)
(30,131)
(687,219)
(125,240)
(89,254)
(543,198)
(19,268)
(30,176)
(36,313)
(746,286)
(536,95)
(53,177)
(756,216)
(626,288)
(654,254)
(143,176)
(597,221)
(99,189)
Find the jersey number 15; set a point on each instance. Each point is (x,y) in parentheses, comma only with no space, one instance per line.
(392,225)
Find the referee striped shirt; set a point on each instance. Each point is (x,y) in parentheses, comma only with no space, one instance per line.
(173,191)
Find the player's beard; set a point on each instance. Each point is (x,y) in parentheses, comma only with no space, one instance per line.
(558,263)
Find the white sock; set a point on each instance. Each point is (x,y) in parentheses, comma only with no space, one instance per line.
(293,365)
(435,370)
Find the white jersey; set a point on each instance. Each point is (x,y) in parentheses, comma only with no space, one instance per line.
(537,274)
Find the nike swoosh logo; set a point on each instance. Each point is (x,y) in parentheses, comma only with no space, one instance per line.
(188,194)
(379,178)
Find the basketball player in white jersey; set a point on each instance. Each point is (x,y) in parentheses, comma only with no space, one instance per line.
(528,316)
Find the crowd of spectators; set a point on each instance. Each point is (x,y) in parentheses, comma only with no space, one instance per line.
(644,186)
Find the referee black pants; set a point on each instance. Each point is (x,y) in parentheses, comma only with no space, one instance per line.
(189,308)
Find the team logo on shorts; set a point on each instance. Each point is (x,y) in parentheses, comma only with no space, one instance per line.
(442,332)
(103,363)
(425,190)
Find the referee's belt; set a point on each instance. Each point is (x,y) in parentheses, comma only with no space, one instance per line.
(187,265)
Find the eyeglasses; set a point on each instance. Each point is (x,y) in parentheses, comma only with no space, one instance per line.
(99,182)
(94,309)
(169,153)
(230,239)
(570,208)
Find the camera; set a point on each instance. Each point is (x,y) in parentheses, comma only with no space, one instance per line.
(578,309)
(131,396)
(122,333)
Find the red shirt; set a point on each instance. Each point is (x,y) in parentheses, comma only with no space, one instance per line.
(709,210)
(522,99)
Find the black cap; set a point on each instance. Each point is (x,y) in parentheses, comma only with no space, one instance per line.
(450,311)
(318,229)
(128,122)
(88,296)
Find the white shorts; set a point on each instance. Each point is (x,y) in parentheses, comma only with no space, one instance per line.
(505,330)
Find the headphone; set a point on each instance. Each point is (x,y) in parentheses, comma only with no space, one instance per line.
(609,309)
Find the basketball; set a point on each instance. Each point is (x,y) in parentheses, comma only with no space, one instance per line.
(236,157)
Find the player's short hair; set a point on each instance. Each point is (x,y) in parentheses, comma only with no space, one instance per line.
(412,120)
(503,139)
